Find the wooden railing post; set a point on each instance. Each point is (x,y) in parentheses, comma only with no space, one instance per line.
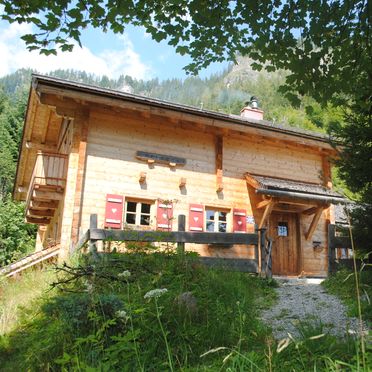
(331,248)
(93,242)
(261,249)
(181,227)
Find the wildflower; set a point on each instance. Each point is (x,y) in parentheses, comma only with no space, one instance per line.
(124,274)
(122,314)
(89,287)
(155,293)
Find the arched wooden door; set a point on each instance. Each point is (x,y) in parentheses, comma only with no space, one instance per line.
(283,229)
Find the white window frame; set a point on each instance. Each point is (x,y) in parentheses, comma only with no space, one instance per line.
(138,212)
(216,220)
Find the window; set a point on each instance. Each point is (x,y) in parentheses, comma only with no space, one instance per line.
(216,221)
(282,229)
(137,213)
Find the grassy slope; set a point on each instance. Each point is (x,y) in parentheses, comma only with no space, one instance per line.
(100,321)
(342,284)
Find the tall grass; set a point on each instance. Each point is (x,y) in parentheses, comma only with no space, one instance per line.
(19,292)
(156,312)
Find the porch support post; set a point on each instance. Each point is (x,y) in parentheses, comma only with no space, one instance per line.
(74,184)
(269,207)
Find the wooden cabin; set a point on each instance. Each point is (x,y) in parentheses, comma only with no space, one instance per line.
(139,162)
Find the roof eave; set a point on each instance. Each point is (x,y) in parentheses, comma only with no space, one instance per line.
(258,124)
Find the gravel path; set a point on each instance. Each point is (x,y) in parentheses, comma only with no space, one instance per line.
(300,301)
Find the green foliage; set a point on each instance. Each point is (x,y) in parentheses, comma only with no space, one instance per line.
(103,319)
(342,284)
(106,316)
(16,237)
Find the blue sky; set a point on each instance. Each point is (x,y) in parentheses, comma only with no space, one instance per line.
(133,53)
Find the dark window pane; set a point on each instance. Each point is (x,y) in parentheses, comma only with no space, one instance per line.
(222,227)
(222,216)
(145,220)
(131,206)
(209,214)
(210,226)
(145,208)
(130,218)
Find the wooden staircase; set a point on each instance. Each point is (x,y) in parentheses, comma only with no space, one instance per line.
(29,261)
(46,189)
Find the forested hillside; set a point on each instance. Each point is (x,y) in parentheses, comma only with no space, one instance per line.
(226,91)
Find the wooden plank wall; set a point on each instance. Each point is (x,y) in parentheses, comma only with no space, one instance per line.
(111,167)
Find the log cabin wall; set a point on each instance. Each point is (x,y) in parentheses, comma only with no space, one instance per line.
(112,168)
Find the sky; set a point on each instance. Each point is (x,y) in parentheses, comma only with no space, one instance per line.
(133,53)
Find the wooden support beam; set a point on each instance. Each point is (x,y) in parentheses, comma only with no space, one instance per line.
(219,163)
(142,177)
(266,214)
(40,146)
(219,180)
(38,221)
(46,128)
(64,107)
(314,223)
(40,212)
(46,195)
(326,168)
(39,204)
(263,203)
(182,182)
(310,211)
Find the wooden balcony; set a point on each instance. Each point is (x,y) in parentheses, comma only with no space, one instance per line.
(47,185)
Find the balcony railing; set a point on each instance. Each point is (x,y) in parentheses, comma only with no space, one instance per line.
(47,185)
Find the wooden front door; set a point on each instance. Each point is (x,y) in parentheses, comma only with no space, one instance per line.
(285,252)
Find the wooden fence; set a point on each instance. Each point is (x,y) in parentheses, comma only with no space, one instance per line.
(180,237)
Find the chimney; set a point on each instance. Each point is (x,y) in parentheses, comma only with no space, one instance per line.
(251,110)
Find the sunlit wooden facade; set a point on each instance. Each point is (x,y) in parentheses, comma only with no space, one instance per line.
(140,162)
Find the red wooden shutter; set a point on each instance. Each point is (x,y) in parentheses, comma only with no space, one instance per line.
(114,211)
(239,220)
(196,217)
(164,216)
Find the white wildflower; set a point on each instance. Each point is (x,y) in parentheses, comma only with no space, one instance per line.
(122,314)
(124,274)
(89,287)
(155,293)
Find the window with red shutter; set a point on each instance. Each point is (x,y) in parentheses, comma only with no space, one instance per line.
(114,211)
(196,217)
(239,220)
(164,216)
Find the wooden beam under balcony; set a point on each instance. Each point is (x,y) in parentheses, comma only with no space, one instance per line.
(41,204)
(42,195)
(38,221)
(40,213)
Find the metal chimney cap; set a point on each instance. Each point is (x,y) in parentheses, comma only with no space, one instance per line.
(254,102)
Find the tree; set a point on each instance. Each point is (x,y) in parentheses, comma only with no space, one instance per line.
(324,45)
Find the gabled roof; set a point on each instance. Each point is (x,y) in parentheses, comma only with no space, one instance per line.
(119,95)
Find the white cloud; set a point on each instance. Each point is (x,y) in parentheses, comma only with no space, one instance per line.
(112,63)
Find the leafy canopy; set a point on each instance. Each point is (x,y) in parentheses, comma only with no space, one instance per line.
(324,44)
